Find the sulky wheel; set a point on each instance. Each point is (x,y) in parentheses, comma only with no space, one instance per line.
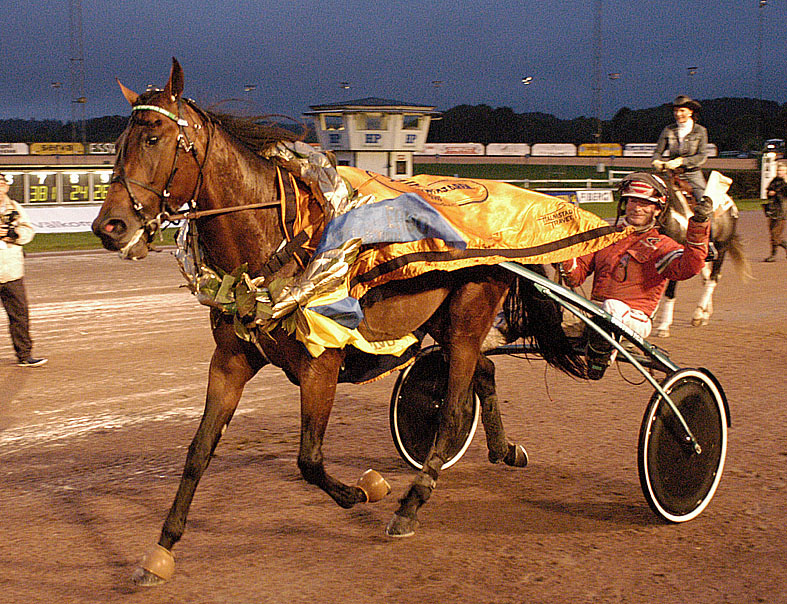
(677,481)
(415,409)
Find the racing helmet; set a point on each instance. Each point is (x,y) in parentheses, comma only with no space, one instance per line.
(644,186)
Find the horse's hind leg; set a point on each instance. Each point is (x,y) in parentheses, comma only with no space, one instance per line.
(471,310)
(456,407)
(499,448)
(318,377)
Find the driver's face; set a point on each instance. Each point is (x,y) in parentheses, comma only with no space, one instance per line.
(682,114)
(640,212)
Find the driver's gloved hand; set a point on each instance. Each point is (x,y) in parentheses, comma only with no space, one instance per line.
(674,163)
(703,210)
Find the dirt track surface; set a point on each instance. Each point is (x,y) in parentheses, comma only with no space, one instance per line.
(92,446)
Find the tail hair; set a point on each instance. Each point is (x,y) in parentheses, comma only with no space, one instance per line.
(538,320)
(742,264)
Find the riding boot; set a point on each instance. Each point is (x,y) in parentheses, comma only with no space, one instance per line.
(599,355)
(772,257)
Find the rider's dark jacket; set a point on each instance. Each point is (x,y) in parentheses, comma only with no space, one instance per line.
(693,149)
(635,270)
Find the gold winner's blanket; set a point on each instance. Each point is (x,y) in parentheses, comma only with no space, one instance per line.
(428,223)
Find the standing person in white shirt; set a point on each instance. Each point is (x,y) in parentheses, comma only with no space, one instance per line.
(686,142)
(15,231)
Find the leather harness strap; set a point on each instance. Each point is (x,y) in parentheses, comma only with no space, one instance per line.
(294,248)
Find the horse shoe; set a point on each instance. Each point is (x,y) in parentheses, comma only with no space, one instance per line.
(160,562)
(373,485)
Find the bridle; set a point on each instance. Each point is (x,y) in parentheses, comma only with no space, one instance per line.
(151,226)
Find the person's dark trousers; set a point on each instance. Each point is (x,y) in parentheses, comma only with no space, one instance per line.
(14,300)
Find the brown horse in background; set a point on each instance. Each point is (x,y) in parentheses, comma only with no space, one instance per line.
(174,153)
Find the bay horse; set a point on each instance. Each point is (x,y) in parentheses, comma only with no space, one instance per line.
(174,153)
(673,222)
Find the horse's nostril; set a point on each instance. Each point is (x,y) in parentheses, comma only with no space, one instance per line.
(114,228)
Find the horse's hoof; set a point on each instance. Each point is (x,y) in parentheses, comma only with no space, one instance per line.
(516,457)
(399,526)
(157,566)
(373,485)
(662,333)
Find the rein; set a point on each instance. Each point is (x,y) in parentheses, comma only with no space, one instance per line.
(195,214)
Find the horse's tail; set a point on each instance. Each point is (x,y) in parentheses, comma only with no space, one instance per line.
(742,264)
(536,318)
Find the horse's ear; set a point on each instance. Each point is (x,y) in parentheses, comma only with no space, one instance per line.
(130,95)
(174,87)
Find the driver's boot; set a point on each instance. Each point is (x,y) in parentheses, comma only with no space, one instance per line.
(599,355)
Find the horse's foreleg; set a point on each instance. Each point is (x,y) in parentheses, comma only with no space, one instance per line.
(318,379)
(227,376)
(497,443)
(667,310)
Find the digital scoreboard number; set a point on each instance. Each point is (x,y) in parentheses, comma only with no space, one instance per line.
(43,187)
(76,187)
(101,181)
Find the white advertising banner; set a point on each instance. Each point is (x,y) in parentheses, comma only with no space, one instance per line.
(452,149)
(553,150)
(507,149)
(595,196)
(638,149)
(14,149)
(62,219)
(647,149)
(101,148)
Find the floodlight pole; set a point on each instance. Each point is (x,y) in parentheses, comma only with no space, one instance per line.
(760,103)
(597,42)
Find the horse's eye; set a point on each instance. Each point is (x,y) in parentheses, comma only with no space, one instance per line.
(151,141)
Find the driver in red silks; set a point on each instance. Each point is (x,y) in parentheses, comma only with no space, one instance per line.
(630,276)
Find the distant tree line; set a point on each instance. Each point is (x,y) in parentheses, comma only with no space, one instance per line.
(97,130)
(733,124)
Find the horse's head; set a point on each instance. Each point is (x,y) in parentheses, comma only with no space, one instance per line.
(157,167)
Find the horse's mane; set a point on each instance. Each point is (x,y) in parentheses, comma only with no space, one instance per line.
(254,132)
(257,133)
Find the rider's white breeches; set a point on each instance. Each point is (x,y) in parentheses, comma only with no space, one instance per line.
(636,320)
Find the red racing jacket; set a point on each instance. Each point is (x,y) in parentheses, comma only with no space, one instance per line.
(635,270)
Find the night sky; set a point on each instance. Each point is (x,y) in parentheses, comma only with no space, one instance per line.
(438,53)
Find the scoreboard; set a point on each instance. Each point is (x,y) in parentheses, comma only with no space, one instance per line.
(57,186)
